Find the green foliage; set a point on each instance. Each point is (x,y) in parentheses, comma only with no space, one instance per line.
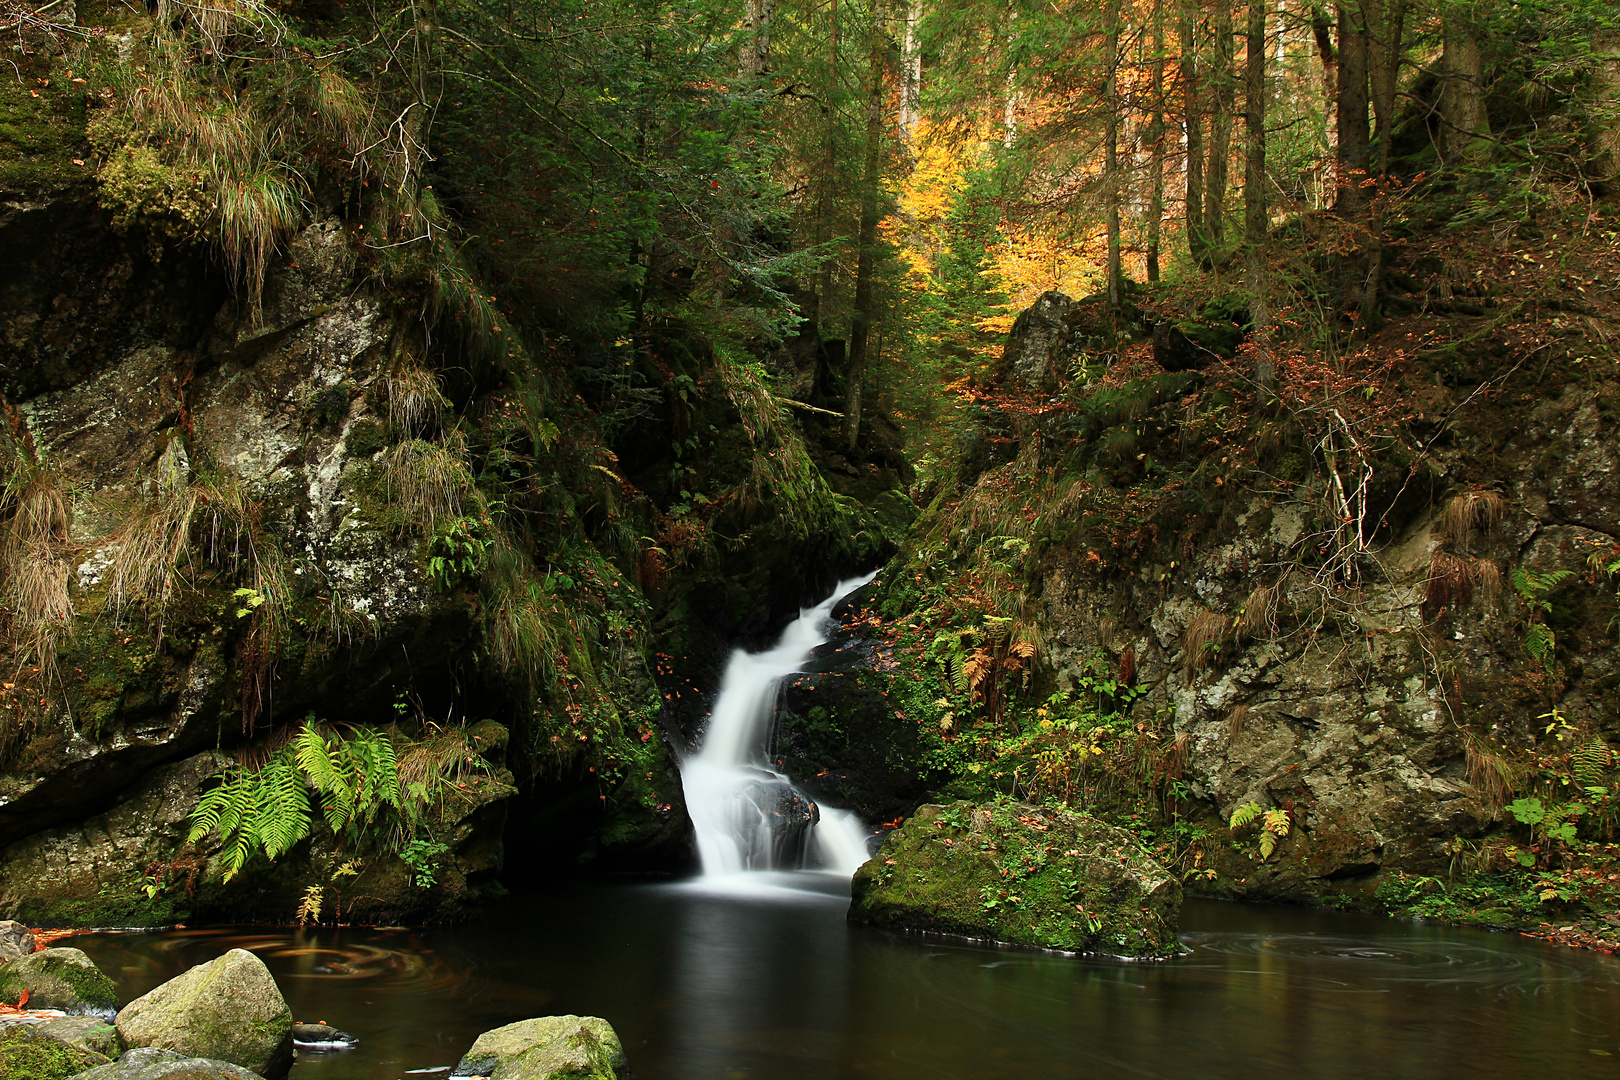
(357,781)
(456,552)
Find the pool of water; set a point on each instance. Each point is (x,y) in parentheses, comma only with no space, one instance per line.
(770,983)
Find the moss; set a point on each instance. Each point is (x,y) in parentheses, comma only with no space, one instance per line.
(40,136)
(365,438)
(1022,875)
(25,1054)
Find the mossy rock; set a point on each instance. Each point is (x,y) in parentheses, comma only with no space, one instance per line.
(1023,875)
(150,1063)
(27,1053)
(547,1048)
(228,1009)
(63,979)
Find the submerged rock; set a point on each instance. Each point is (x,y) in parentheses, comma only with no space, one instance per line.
(15,940)
(322,1038)
(63,979)
(1024,875)
(547,1048)
(154,1063)
(229,1009)
(27,1053)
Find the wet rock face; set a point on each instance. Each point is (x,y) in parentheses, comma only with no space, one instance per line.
(1022,875)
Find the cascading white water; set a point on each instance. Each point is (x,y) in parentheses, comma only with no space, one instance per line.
(737,801)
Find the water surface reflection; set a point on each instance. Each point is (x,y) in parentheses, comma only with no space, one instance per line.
(706,984)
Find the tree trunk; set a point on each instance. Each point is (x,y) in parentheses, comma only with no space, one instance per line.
(1351,199)
(1466,129)
(1220,130)
(1387,29)
(1111,148)
(871,176)
(829,173)
(910,75)
(754,57)
(1322,31)
(1156,138)
(1192,121)
(1256,223)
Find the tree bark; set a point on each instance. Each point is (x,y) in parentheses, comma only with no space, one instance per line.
(1466,129)
(1111,148)
(1220,130)
(1156,138)
(910,75)
(1387,30)
(1193,126)
(754,57)
(871,176)
(1256,223)
(1352,159)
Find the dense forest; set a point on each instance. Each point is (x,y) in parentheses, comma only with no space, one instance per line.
(408,408)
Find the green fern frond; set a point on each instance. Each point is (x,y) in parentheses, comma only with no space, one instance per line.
(1245,814)
(1590,761)
(1276,822)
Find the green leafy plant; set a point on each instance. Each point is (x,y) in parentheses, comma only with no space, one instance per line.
(456,552)
(423,856)
(1274,823)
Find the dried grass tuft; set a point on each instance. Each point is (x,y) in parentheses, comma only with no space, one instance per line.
(1234,721)
(1259,616)
(1451,583)
(1467,511)
(415,403)
(1490,774)
(1206,631)
(430,479)
(35,565)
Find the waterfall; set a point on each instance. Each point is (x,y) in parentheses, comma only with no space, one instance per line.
(747,816)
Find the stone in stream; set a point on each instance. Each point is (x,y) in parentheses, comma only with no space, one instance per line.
(63,979)
(228,1009)
(322,1038)
(155,1063)
(28,1053)
(1023,875)
(90,1033)
(546,1048)
(15,940)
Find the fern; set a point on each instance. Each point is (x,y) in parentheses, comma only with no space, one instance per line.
(1540,642)
(1590,761)
(1244,814)
(1274,829)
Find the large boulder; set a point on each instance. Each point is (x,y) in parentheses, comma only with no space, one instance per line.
(229,1009)
(1024,875)
(27,1053)
(15,940)
(63,979)
(547,1048)
(153,1063)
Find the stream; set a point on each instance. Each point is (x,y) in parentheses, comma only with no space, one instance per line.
(750,970)
(775,985)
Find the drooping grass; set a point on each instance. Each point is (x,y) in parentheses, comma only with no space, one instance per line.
(1206,631)
(35,564)
(1476,509)
(415,402)
(431,479)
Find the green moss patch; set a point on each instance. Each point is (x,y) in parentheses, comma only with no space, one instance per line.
(1023,875)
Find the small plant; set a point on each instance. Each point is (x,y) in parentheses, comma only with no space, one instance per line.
(456,553)
(309,908)
(1274,823)
(423,856)
(1539,640)
(246,601)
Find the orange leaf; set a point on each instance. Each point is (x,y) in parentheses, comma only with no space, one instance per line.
(22,999)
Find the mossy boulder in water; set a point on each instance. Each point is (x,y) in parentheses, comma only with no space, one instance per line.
(547,1048)
(1024,875)
(29,1054)
(63,979)
(229,1009)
